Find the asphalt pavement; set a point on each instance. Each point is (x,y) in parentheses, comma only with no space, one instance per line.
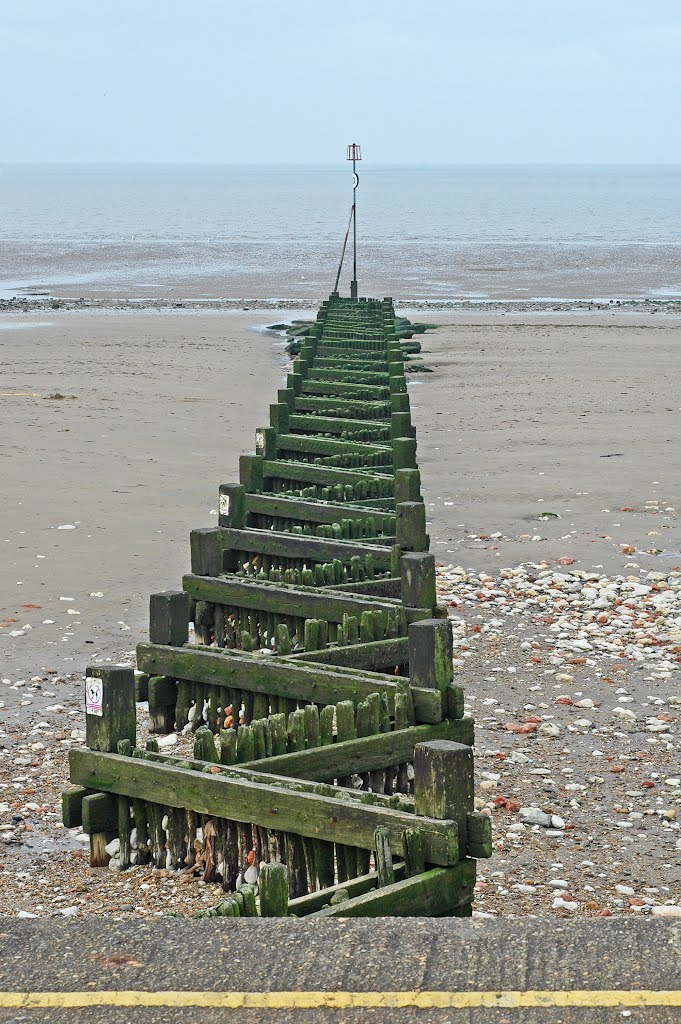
(390,971)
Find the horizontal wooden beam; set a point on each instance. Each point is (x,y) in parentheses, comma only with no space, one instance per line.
(354,392)
(314,901)
(318,549)
(433,893)
(312,511)
(293,785)
(317,424)
(284,599)
(307,472)
(279,677)
(387,587)
(374,656)
(303,814)
(325,446)
(353,757)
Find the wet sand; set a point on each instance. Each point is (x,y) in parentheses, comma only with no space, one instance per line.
(517,420)
(163,407)
(514,421)
(572,417)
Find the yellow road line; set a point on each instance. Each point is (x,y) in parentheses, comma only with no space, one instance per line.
(344,1000)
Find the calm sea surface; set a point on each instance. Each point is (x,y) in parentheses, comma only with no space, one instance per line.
(262,232)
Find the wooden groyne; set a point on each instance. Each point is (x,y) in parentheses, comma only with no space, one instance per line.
(332,769)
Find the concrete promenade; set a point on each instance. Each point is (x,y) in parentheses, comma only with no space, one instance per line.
(382,970)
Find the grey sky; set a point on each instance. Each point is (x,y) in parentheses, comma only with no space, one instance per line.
(482,81)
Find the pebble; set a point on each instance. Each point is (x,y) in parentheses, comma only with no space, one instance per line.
(535,816)
(634,617)
(666,910)
(561,904)
(168,741)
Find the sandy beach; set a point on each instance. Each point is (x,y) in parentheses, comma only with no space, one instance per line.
(550,441)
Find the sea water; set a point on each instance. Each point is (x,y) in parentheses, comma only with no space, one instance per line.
(424,233)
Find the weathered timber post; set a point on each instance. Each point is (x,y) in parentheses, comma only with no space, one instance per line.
(162,704)
(287,397)
(279,414)
(407,486)
(404,453)
(266,442)
(430,654)
(417,571)
(443,783)
(206,551)
(401,425)
(251,472)
(400,402)
(169,625)
(232,506)
(295,381)
(410,526)
(100,823)
(109,717)
(273,882)
(109,707)
(443,788)
(169,617)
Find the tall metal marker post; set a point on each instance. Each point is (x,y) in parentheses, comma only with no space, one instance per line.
(354,154)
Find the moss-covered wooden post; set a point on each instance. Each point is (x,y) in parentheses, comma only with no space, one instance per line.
(404,453)
(295,381)
(287,396)
(100,823)
(279,415)
(266,442)
(410,526)
(401,425)
(400,402)
(169,618)
(443,788)
(168,625)
(109,706)
(251,472)
(417,570)
(273,882)
(232,506)
(430,654)
(206,551)
(109,718)
(407,486)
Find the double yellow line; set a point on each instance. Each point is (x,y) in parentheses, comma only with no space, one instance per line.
(586,998)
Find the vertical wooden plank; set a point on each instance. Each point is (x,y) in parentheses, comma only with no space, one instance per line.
(274,890)
(124,830)
(414,852)
(139,810)
(384,857)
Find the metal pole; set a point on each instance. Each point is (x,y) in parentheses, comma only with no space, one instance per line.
(353,285)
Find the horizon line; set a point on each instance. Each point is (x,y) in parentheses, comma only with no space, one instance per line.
(330,164)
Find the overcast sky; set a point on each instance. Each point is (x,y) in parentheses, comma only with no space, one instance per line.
(481,81)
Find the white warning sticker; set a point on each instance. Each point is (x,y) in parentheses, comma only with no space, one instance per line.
(259,440)
(94,695)
(224,504)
